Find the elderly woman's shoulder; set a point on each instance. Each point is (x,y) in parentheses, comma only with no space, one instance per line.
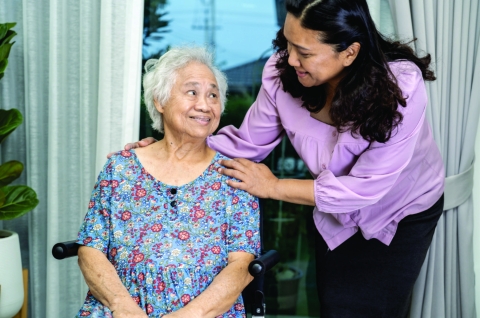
(216,165)
(122,155)
(217,158)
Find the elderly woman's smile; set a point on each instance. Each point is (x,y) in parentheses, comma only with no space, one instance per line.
(201,119)
(194,106)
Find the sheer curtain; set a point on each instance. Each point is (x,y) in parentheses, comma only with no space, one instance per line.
(74,73)
(382,16)
(450,32)
(476,224)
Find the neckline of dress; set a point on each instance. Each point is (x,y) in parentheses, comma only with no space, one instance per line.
(165,185)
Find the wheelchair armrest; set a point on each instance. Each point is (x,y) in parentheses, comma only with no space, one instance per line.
(256,267)
(65,249)
(260,265)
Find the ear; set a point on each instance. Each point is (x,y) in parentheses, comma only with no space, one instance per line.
(158,106)
(350,53)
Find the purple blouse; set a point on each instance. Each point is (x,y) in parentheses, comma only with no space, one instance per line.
(358,185)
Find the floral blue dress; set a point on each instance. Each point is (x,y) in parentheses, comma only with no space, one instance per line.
(167,243)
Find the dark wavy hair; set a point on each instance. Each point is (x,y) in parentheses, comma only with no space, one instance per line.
(367,97)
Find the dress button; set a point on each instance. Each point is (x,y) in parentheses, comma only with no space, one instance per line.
(324,166)
(173,191)
(334,133)
(173,204)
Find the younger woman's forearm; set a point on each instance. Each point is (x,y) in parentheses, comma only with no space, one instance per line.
(294,191)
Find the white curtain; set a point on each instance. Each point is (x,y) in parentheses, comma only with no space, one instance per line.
(450,32)
(382,16)
(74,73)
(476,223)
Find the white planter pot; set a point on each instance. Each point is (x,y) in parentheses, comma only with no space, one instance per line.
(11,279)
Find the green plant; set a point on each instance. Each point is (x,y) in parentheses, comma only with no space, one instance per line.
(6,35)
(235,110)
(18,199)
(154,28)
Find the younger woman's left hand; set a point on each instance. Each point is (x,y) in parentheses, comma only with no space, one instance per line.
(255,178)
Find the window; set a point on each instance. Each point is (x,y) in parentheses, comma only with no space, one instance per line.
(241,32)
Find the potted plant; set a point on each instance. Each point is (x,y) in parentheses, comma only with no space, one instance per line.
(15,200)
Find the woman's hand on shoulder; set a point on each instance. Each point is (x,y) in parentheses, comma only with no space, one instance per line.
(255,178)
(141,143)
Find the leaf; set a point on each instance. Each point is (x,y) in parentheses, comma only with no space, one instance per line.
(2,197)
(5,50)
(9,121)
(18,201)
(10,171)
(10,24)
(10,35)
(5,27)
(3,30)
(3,66)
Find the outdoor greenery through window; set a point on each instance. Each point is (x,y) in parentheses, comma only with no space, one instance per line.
(241,34)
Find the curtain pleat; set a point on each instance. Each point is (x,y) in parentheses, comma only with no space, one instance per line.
(374,6)
(74,73)
(71,130)
(119,88)
(449,31)
(381,15)
(36,45)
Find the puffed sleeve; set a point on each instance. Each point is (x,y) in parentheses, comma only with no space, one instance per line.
(94,231)
(261,129)
(378,168)
(243,234)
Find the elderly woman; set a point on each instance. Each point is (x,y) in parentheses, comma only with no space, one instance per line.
(165,236)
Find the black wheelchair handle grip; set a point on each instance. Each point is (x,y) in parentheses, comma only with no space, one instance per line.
(262,264)
(65,249)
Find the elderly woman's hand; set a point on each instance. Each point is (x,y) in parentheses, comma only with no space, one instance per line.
(255,178)
(132,312)
(183,313)
(141,143)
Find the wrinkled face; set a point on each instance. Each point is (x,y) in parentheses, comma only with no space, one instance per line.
(193,109)
(316,63)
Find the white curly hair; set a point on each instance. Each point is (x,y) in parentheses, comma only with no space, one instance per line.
(160,75)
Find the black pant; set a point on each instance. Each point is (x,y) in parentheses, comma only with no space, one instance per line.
(366,278)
